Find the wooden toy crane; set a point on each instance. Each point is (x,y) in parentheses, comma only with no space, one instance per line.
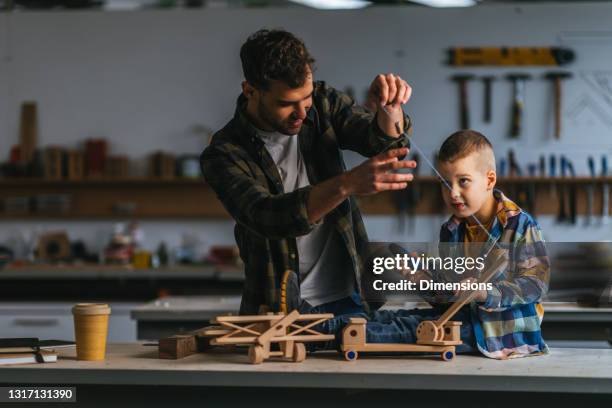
(433,336)
(290,331)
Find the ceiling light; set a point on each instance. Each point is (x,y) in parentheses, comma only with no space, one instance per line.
(446,3)
(333,4)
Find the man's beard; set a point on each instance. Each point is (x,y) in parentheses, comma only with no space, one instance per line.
(278,126)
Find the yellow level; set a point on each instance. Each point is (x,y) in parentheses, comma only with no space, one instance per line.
(509,56)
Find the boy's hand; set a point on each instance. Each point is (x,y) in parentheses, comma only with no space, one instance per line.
(481,295)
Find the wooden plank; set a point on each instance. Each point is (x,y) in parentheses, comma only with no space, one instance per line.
(441,343)
(253,339)
(267,318)
(394,347)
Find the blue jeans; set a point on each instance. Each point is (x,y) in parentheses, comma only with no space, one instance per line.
(384,326)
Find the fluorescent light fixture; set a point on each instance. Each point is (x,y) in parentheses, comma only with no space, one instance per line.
(333,4)
(446,3)
(120,5)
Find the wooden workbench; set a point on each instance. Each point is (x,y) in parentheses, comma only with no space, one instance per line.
(564,370)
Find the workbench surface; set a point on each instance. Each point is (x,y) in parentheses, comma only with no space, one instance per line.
(564,370)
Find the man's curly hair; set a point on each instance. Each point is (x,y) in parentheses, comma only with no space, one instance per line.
(275,55)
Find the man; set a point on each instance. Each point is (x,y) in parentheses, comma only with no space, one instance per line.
(278,170)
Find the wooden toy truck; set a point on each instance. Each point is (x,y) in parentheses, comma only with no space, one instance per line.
(439,336)
(354,341)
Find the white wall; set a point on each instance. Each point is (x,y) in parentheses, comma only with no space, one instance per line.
(147,80)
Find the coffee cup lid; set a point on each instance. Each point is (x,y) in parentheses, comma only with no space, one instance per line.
(91,309)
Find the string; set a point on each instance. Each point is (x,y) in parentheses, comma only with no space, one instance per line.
(414,146)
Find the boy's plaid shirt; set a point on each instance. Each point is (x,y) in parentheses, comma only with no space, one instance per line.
(243,175)
(507,324)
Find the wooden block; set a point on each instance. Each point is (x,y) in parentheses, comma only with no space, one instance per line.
(176,347)
(162,165)
(28,131)
(52,163)
(117,167)
(74,165)
(53,246)
(95,157)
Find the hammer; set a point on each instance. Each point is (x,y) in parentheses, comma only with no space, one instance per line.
(556,77)
(487,82)
(518,101)
(461,80)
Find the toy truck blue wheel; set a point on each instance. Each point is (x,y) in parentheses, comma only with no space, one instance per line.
(351,355)
(448,355)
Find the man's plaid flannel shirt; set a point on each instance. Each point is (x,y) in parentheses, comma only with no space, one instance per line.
(243,175)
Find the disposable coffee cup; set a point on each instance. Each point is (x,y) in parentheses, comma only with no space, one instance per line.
(90,330)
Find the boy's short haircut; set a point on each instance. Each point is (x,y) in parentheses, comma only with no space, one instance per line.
(465,142)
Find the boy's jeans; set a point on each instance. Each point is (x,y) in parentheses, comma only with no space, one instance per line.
(385,326)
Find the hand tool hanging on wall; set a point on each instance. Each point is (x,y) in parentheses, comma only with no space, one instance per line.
(469,56)
(552,173)
(514,170)
(487,82)
(541,170)
(590,190)
(572,192)
(556,77)
(531,188)
(605,191)
(502,167)
(518,102)
(562,216)
(464,115)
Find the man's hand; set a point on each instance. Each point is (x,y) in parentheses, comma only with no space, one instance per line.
(369,177)
(373,175)
(392,92)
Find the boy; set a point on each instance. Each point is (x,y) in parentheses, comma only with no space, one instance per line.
(506,319)
(503,322)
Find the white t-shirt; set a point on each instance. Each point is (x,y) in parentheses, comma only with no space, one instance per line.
(325,266)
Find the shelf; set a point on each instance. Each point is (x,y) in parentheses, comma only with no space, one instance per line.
(546,192)
(146,198)
(94,272)
(102,182)
(108,199)
(149,182)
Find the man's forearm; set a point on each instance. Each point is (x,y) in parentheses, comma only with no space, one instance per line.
(370,177)
(387,124)
(326,196)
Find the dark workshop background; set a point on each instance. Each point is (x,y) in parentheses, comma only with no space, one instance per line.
(153,79)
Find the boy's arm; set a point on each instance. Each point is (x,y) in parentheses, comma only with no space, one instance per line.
(528,282)
(357,128)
